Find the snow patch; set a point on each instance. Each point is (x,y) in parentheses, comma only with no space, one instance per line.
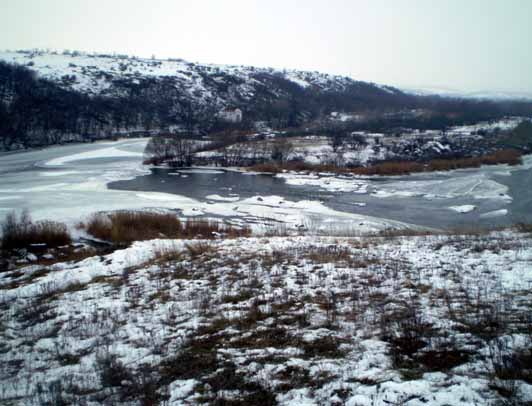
(494,214)
(466,208)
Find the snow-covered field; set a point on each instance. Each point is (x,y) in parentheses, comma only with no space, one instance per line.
(439,320)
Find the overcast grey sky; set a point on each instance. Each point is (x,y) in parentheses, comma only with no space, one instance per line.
(458,44)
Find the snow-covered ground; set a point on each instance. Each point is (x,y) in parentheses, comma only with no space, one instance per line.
(438,320)
(505,124)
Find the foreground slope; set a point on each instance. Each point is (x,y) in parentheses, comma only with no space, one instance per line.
(283,320)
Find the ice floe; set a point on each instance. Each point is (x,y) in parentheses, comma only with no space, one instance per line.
(466,208)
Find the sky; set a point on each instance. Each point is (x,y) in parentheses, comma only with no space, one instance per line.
(466,45)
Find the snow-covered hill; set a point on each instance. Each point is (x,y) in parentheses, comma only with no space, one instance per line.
(480,94)
(78,96)
(95,74)
(49,98)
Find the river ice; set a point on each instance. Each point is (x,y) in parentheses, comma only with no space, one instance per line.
(68,183)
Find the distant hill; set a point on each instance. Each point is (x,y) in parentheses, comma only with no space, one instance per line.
(480,95)
(48,98)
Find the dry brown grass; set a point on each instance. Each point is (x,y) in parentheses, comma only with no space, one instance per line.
(406,232)
(129,226)
(124,227)
(394,168)
(333,253)
(166,254)
(71,254)
(390,168)
(507,156)
(199,228)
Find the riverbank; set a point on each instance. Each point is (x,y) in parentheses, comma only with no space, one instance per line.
(395,168)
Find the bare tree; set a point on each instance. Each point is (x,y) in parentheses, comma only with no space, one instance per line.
(173,150)
(336,141)
(281,149)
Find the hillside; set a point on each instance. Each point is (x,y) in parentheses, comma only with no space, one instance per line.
(94,96)
(49,98)
(438,319)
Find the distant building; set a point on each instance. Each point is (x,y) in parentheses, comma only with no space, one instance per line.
(230,115)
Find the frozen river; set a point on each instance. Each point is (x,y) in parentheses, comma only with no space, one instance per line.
(68,183)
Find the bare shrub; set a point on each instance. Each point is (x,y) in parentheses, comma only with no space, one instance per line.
(524,227)
(172,149)
(509,363)
(199,228)
(111,370)
(99,225)
(327,346)
(163,253)
(391,168)
(194,228)
(407,333)
(478,314)
(198,249)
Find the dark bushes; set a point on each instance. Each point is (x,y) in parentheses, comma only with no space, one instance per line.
(21,232)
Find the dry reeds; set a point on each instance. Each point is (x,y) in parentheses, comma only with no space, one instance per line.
(124,227)
(394,168)
(22,232)
(129,226)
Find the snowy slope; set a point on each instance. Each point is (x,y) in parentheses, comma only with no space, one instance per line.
(94,74)
(432,320)
(131,95)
